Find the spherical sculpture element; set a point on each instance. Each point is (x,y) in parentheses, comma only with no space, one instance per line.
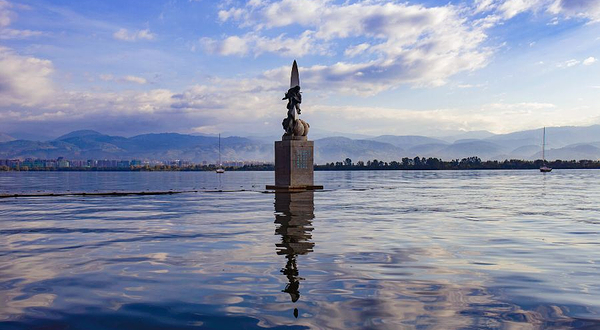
(299,128)
(306,127)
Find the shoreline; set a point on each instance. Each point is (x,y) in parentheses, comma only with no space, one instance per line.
(316,169)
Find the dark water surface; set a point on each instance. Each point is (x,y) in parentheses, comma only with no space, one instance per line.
(375,250)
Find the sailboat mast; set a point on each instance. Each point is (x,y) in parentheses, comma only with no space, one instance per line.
(544,146)
(219,149)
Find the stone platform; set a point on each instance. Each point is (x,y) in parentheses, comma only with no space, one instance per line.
(293,189)
(294,164)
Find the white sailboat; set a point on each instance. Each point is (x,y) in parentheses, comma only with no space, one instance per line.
(544,168)
(220,169)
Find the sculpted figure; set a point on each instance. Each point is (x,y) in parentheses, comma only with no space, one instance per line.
(294,99)
(292,124)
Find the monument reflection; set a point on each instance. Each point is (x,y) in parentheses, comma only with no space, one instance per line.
(294,212)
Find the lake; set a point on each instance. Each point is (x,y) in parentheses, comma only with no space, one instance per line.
(374,250)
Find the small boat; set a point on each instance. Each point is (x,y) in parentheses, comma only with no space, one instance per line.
(220,169)
(544,168)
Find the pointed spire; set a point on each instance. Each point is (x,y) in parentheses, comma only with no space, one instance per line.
(295,80)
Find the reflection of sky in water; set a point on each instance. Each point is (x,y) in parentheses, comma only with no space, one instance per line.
(386,249)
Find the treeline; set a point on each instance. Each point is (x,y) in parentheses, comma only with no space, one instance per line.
(473,163)
(417,163)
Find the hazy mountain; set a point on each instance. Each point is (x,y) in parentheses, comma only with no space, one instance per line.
(523,152)
(336,149)
(36,149)
(406,141)
(79,134)
(572,152)
(426,150)
(467,135)
(556,137)
(164,146)
(563,143)
(315,134)
(479,148)
(5,137)
(33,136)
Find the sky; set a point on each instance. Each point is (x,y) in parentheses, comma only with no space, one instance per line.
(366,67)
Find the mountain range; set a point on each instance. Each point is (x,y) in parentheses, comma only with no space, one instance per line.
(562,143)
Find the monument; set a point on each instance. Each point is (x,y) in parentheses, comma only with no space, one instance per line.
(294,154)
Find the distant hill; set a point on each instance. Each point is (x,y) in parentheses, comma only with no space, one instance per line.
(5,137)
(426,150)
(479,148)
(31,136)
(523,152)
(556,137)
(578,151)
(564,143)
(163,146)
(79,134)
(467,135)
(336,149)
(406,141)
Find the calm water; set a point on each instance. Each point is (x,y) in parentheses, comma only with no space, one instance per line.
(377,249)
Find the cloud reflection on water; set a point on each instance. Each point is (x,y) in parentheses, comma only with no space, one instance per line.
(416,251)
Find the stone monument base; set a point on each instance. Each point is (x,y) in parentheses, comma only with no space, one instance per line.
(294,164)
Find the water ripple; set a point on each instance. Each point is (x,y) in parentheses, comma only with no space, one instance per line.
(380,250)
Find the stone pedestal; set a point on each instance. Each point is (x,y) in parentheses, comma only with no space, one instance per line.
(294,170)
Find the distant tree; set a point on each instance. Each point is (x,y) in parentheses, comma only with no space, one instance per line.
(417,161)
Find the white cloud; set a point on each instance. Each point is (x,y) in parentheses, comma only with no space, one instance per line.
(125,35)
(496,117)
(484,5)
(209,106)
(255,44)
(400,44)
(24,81)
(589,9)
(18,34)
(573,62)
(7,16)
(356,50)
(465,86)
(134,79)
(526,107)
(233,45)
(276,14)
(586,9)
(568,63)
(124,79)
(511,8)
(233,13)
(589,61)
(413,44)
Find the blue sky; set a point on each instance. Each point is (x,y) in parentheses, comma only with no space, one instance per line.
(370,67)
